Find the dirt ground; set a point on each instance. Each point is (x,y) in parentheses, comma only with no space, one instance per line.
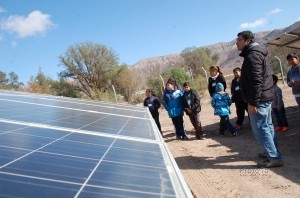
(226,166)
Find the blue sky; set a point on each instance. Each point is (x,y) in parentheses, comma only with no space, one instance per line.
(33,33)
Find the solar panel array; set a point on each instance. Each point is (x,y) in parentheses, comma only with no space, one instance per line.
(62,147)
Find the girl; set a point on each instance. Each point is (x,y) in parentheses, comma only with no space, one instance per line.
(152,102)
(216,76)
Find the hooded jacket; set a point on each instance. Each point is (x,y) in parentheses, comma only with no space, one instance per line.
(221,103)
(256,76)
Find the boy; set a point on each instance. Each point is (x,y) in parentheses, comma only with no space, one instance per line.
(191,106)
(221,103)
(237,98)
(293,75)
(278,107)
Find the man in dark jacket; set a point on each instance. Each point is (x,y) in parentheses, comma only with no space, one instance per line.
(192,107)
(257,87)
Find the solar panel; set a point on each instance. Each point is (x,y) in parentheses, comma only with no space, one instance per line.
(61,147)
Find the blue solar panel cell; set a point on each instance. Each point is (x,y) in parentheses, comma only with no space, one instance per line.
(16,186)
(8,154)
(23,141)
(41,132)
(62,147)
(4,127)
(132,177)
(53,167)
(76,149)
(136,145)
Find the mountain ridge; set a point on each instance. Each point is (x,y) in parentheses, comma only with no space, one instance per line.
(227,51)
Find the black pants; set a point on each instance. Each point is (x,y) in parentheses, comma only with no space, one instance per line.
(179,129)
(241,107)
(156,119)
(280,117)
(225,123)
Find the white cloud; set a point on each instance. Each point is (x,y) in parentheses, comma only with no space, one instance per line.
(275,11)
(2,10)
(35,23)
(257,23)
(14,43)
(1,38)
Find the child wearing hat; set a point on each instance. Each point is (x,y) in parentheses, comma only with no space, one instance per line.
(221,103)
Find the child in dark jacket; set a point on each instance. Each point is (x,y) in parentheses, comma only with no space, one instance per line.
(238,99)
(216,76)
(192,107)
(278,107)
(221,103)
(152,102)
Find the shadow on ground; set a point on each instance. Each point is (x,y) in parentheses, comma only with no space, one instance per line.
(245,148)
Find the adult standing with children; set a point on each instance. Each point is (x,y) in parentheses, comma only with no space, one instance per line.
(192,107)
(257,86)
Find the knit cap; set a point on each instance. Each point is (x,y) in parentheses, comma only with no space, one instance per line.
(219,87)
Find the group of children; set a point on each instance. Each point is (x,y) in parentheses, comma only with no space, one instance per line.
(177,100)
(221,101)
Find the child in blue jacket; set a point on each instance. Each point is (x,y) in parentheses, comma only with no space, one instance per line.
(221,103)
(172,102)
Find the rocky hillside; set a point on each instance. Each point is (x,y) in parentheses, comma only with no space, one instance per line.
(228,54)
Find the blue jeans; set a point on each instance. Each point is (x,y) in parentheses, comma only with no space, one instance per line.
(263,129)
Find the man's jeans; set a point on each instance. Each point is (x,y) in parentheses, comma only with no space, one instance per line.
(263,129)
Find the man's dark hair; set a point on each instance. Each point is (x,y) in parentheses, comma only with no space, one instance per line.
(292,55)
(236,69)
(247,35)
(275,79)
(186,84)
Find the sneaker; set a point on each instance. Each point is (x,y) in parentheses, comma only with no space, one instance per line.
(185,137)
(262,155)
(278,128)
(263,163)
(202,138)
(284,129)
(177,137)
(270,164)
(238,127)
(234,134)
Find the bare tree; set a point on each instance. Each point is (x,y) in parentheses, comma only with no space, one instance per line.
(91,64)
